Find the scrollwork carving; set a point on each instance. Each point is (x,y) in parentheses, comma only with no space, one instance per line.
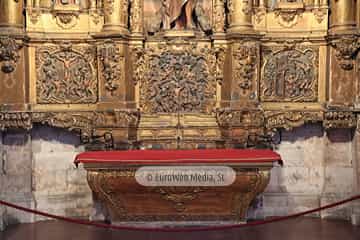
(9,54)
(288,14)
(66,74)
(346,49)
(241,118)
(290,74)
(110,59)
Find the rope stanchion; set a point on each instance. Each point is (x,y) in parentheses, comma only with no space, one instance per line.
(177,229)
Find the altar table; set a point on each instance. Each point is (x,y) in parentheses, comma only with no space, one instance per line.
(111,177)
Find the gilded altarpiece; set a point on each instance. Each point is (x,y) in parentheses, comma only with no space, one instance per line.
(178,74)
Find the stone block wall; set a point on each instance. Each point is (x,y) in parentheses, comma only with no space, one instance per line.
(320,167)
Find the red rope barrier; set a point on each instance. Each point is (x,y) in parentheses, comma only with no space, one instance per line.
(177,229)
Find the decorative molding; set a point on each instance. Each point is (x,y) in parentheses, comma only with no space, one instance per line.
(339,119)
(9,53)
(66,74)
(346,49)
(260,14)
(111,62)
(290,74)
(15,120)
(290,119)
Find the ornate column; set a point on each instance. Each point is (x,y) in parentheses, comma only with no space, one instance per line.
(116,16)
(240,16)
(11,17)
(343,16)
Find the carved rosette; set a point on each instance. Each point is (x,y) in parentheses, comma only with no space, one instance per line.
(290,74)
(339,119)
(289,119)
(245,71)
(178,79)
(346,49)
(9,54)
(111,62)
(66,74)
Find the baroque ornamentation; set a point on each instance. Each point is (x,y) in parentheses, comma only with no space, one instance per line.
(346,49)
(136,17)
(66,74)
(339,119)
(290,74)
(15,120)
(111,60)
(220,52)
(288,17)
(178,80)
(9,54)
(179,198)
(260,14)
(289,119)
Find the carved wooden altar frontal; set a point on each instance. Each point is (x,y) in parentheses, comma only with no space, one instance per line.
(191,74)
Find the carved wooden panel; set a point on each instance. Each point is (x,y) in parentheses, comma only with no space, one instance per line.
(66,74)
(178,80)
(289,74)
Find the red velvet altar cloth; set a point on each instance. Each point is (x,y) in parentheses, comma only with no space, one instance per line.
(199,156)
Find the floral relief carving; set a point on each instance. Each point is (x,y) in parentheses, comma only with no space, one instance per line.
(66,74)
(289,74)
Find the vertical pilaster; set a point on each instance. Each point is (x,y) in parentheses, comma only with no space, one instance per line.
(137,17)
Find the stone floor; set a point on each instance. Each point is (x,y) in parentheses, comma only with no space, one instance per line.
(301,228)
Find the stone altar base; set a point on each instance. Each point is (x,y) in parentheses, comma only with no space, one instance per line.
(127,201)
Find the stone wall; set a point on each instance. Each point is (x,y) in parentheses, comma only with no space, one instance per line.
(36,171)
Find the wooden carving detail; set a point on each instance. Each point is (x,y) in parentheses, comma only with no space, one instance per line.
(339,119)
(66,74)
(246,67)
(9,55)
(111,65)
(346,49)
(290,75)
(178,80)
(15,120)
(219,16)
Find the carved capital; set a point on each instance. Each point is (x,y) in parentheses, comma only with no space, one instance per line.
(9,53)
(346,49)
